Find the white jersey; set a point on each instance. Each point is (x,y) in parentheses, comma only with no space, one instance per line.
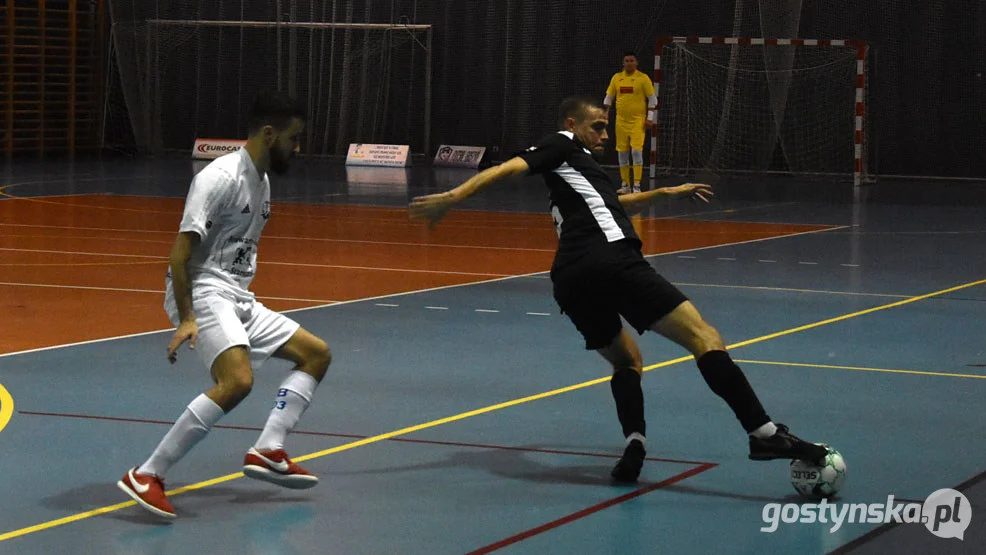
(228,205)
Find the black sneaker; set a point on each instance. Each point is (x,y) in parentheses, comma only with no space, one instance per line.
(785,445)
(627,469)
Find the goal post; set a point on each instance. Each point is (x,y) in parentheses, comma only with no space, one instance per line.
(181,79)
(760,105)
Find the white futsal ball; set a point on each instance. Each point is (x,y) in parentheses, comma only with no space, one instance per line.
(825,480)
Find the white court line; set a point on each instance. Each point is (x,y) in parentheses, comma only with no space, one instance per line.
(12,197)
(75,264)
(276,263)
(669,253)
(46,181)
(161,292)
(63,238)
(171,232)
(86,253)
(405,270)
(280,238)
(833,228)
(397,221)
(729,211)
(331,304)
(40,349)
(405,293)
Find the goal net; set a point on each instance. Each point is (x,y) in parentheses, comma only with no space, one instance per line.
(171,81)
(755,105)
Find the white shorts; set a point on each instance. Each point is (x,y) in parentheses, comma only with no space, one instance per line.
(225,323)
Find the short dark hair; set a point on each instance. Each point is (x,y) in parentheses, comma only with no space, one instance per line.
(630,53)
(273,108)
(575,107)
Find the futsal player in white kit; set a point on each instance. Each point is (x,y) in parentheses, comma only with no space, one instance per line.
(212,263)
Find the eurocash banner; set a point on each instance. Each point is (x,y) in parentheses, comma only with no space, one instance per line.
(209,149)
(392,156)
(459,156)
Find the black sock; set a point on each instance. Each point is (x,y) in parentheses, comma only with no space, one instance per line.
(629,401)
(727,381)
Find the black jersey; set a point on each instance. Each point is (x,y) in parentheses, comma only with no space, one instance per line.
(584,203)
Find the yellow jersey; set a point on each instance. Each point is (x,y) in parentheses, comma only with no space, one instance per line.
(631,93)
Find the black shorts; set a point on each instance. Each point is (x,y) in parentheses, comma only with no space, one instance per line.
(613,281)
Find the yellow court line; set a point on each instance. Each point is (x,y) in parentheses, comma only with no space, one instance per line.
(856,314)
(344,447)
(484,410)
(6,407)
(864,369)
(791,290)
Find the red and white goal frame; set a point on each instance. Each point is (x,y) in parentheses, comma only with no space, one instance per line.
(861,49)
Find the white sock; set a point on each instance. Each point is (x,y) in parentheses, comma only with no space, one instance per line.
(637,436)
(765,431)
(291,401)
(193,425)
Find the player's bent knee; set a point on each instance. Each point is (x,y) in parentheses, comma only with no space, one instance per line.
(631,361)
(319,360)
(623,354)
(707,339)
(687,328)
(313,357)
(636,366)
(237,385)
(232,372)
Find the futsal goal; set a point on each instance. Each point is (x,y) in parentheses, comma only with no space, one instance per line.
(171,81)
(760,105)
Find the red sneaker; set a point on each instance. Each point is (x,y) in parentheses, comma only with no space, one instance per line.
(148,491)
(275,467)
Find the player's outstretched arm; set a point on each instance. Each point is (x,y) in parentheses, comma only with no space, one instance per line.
(635,202)
(434,207)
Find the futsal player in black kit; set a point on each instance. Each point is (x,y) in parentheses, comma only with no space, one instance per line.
(600,274)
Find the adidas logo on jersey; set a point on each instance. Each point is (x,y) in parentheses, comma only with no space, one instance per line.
(246,210)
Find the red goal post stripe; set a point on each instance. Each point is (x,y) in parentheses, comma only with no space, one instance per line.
(859,45)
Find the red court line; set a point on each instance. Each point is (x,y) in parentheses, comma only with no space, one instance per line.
(590,510)
(357,436)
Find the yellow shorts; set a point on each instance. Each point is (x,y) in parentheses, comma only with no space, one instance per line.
(630,135)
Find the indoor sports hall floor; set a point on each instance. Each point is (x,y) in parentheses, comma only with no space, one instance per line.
(461,414)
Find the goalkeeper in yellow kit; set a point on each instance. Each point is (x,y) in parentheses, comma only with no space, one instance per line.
(635,106)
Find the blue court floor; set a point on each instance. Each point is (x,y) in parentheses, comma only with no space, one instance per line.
(469,419)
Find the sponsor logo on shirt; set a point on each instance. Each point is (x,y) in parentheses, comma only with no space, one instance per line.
(242,264)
